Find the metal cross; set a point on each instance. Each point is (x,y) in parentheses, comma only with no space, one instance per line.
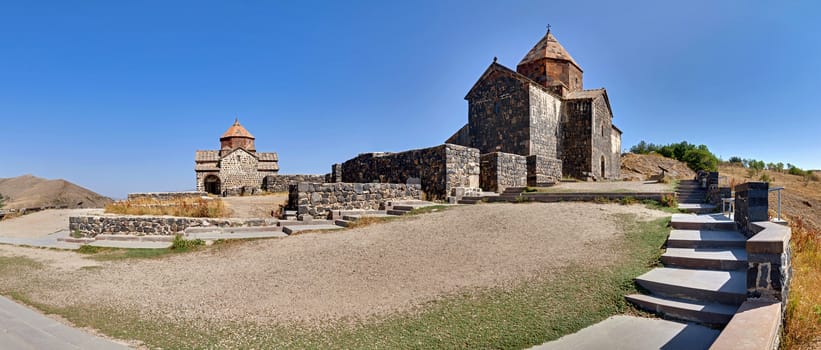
(548,28)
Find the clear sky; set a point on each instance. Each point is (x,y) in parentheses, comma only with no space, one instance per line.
(117,95)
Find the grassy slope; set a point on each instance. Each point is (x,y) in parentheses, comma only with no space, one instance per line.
(506,318)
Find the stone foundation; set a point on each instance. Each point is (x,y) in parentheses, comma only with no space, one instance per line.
(319,199)
(502,170)
(543,171)
(93,225)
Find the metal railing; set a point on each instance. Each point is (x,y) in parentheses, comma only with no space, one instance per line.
(778,189)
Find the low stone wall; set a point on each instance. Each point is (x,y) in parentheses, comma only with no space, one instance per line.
(164,196)
(439,169)
(501,170)
(280,183)
(543,171)
(319,199)
(93,225)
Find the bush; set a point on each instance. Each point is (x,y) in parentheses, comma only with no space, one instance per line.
(180,243)
(766,178)
(697,157)
(669,200)
(735,160)
(2,201)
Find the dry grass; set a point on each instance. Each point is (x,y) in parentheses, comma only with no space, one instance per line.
(802,328)
(183,207)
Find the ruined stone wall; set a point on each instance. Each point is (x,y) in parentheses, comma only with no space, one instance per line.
(545,111)
(439,169)
(280,183)
(543,171)
(502,170)
(461,137)
(238,170)
(319,199)
(498,115)
(576,127)
(93,225)
(601,140)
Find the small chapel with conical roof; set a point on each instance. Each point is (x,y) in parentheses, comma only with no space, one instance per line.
(237,167)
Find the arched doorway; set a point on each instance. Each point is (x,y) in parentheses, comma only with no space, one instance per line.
(602,167)
(212,184)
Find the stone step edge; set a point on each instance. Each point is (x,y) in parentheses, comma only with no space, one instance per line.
(713,314)
(679,291)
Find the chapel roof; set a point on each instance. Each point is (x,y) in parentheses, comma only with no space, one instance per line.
(237,130)
(550,48)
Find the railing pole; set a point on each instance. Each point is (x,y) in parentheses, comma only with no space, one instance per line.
(779,205)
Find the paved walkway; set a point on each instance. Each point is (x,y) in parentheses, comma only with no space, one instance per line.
(22,328)
(636,333)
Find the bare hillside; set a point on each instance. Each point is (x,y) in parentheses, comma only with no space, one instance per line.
(29,191)
(799,198)
(639,167)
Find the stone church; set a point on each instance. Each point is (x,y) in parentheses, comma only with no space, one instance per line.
(541,110)
(237,168)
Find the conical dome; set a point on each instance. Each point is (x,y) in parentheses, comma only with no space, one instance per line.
(550,48)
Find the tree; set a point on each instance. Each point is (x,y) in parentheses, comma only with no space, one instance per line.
(779,167)
(2,201)
(735,160)
(700,159)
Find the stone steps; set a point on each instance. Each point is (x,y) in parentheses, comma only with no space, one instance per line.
(397,212)
(289,230)
(342,222)
(714,314)
(705,239)
(706,258)
(697,208)
(726,287)
(702,222)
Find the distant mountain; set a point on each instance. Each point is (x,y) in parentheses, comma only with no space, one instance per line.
(29,191)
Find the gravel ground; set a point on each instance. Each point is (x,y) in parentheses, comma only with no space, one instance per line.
(42,223)
(353,274)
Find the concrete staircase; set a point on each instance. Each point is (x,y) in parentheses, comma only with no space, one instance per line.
(692,198)
(704,278)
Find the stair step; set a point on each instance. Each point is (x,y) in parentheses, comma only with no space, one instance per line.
(697,208)
(705,239)
(702,222)
(706,258)
(726,287)
(397,212)
(714,314)
(299,228)
(468,201)
(343,223)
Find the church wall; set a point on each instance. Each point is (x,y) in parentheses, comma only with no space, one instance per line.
(615,148)
(577,140)
(498,115)
(461,137)
(602,141)
(545,110)
(239,169)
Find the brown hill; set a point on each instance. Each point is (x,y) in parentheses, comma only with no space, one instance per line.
(640,167)
(801,196)
(29,191)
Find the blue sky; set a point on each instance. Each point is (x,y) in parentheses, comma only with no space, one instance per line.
(116,96)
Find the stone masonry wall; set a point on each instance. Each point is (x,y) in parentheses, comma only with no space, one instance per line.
(280,183)
(750,205)
(498,115)
(439,169)
(545,111)
(319,199)
(239,169)
(602,142)
(502,170)
(543,171)
(577,143)
(93,225)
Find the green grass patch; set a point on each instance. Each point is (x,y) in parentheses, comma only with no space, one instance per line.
(520,316)
(179,245)
(428,209)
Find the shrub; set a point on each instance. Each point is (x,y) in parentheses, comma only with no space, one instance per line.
(735,160)
(669,200)
(697,157)
(180,243)
(766,178)
(627,200)
(2,201)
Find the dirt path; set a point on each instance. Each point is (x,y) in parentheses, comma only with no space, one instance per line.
(41,223)
(369,271)
(254,206)
(614,186)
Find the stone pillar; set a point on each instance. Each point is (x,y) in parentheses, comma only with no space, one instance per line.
(336,173)
(768,262)
(750,205)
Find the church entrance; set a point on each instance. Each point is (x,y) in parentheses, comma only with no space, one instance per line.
(212,184)
(602,167)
